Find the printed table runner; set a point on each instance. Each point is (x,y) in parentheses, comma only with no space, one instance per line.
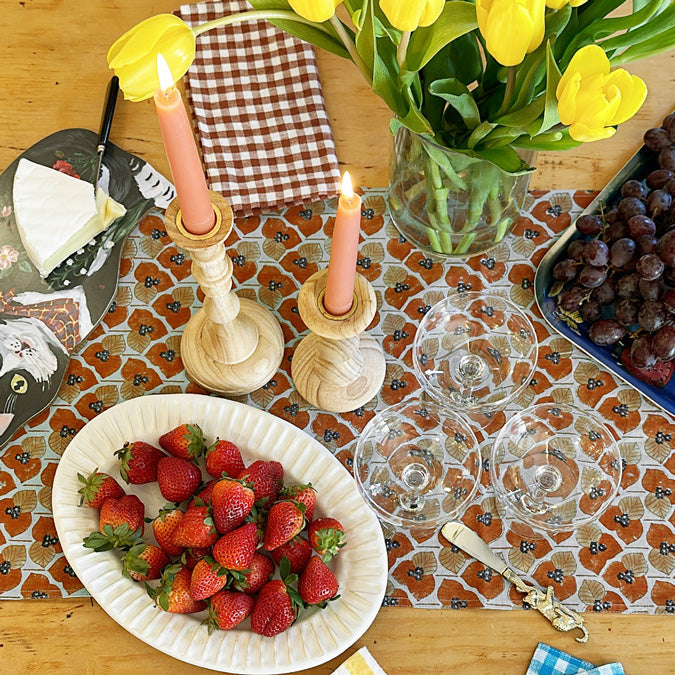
(624,562)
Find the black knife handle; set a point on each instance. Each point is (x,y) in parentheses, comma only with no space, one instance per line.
(108,113)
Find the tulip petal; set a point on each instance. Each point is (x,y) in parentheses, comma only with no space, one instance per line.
(537,10)
(588,61)
(585,134)
(509,31)
(556,4)
(567,107)
(314,10)
(431,12)
(633,92)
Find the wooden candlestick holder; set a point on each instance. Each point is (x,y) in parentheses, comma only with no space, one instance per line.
(337,367)
(231,346)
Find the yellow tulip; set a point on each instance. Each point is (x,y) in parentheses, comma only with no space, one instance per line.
(592,100)
(408,15)
(559,4)
(314,10)
(511,28)
(133,57)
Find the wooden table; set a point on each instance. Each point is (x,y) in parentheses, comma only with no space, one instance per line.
(54,76)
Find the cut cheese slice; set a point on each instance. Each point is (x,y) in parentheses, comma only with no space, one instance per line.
(57,214)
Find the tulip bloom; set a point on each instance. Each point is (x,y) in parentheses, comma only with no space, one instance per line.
(592,100)
(408,15)
(511,28)
(559,4)
(315,10)
(133,57)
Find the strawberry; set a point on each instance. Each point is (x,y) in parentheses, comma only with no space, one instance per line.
(204,494)
(191,556)
(196,529)
(302,494)
(173,592)
(138,462)
(178,479)
(143,562)
(266,479)
(297,551)
(327,537)
(274,610)
(120,524)
(208,577)
(185,441)
(231,502)
(284,521)
(260,570)
(164,529)
(235,550)
(223,457)
(228,609)
(317,583)
(97,488)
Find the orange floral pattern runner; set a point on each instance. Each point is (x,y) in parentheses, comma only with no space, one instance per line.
(625,562)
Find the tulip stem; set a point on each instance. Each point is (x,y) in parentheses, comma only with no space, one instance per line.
(253,16)
(403,48)
(351,48)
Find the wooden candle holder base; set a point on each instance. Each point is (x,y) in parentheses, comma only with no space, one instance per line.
(231,346)
(337,367)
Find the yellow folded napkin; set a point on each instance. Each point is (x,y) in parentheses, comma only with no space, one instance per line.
(360,663)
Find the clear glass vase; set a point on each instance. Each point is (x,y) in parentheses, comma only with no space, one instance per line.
(448,203)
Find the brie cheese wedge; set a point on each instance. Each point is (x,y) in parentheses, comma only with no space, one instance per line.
(57,214)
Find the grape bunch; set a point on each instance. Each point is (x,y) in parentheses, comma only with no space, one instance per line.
(620,274)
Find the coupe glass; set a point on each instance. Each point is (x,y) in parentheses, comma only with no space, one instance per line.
(475,352)
(555,467)
(417,464)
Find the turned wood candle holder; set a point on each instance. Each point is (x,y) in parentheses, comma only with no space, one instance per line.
(231,346)
(337,367)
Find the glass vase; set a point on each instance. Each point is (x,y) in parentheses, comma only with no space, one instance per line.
(448,203)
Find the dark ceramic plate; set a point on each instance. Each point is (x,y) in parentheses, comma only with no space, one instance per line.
(43,320)
(660,387)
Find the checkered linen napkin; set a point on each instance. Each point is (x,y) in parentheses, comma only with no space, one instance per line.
(360,663)
(548,660)
(261,120)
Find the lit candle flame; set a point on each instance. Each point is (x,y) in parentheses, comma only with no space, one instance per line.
(166,80)
(347,189)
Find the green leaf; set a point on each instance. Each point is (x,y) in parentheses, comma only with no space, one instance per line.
(552,79)
(655,45)
(524,116)
(458,18)
(592,11)
(556,141)
(611,25)
(631,38)
(315,36)
(506,158)
(501,136)
(459,97)
(482,130)
(365,38)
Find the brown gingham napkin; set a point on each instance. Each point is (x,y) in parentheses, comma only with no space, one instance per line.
(261,120)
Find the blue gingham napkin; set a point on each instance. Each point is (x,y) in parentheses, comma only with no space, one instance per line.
(548,660)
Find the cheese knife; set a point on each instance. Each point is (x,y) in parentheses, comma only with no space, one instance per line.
(106,124)
(562,618)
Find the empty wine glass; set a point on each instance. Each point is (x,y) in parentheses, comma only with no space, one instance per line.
(417,464)
(475,352)
(555,467)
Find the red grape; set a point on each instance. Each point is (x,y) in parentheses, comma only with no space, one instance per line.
(591,311)
(649,267)
(638,226)
(589,225)
(634,188)
(651,290)
(666,248)
(667,159)
(657,179)
(571,298)
(622,252)
(663,343)
(606,332)
(565,270)
(628,286)
(652,315)
(641,353)
(656,139)
(576,249)
(592,277)
(604,294)
(631,206)
(596,253)
(626,311)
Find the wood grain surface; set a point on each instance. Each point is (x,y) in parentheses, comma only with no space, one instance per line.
(53,76)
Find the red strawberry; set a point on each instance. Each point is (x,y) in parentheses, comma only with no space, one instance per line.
(231,502)
(97,488)
(302,494)
(127,510)
(228,609)
(208,577)
(223,457)
(284,521)
(327,537)
(297,551)
(191,556)
(317,583)
(196,529)
(178,479)
(138,462)
(164,529)
(259,573)
(235,550)
(274,610)
(185,441)
(266,478)
(204,495)
(173,592)
(143,562)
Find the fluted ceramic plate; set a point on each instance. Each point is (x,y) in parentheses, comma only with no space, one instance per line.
(318,635)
